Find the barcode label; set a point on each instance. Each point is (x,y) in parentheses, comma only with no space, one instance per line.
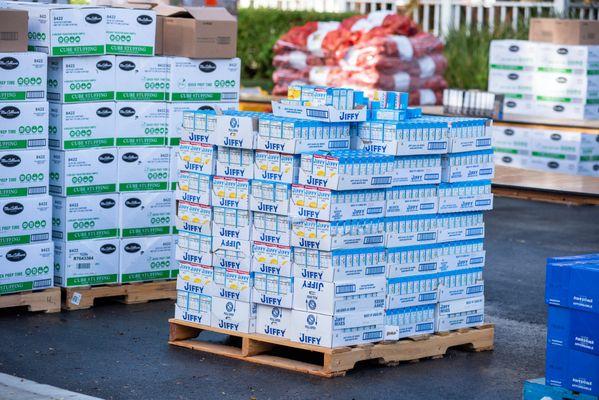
(38,94)
(9,36)
(36,143)
(42,283)
(54,143)
(76,299)
(83,265)
(37,190)
(228,96)
(344,289)
(317,113)
(338,144)
(40,237)
(380,180)
(53,96)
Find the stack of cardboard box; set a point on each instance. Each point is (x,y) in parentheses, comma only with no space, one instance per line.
(572,360)
(553,74)
(119,79)
(26,251)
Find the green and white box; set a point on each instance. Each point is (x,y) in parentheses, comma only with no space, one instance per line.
(86,262)
(81,79)
(64,30)
(82,172)
(85,217)
(23,76)
(81,125)
(26,220)
(143,168)
(141,78)
(26,267)
(130,31)
(145,213)
(23,125)
(204,80)
(176,132)
(140,123)
(24,172)
(146,259)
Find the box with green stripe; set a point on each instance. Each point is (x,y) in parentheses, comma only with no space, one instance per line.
(82,125)
(140,123)
(25,220)
(86,262)
(64,30)
(145,213)
(141,78)
(23,172)
(130,31)
(26,267)
(204,80)
(143,169)
(23,125)
(81,79)
(23,77)
(85,217)
(83,172)
(146,259)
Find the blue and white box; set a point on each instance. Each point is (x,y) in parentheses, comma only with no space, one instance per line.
(232,284)
(412,291)
(417,170)
(231,223)
(276,167)
(194,249)
(459,314)
(409,321)
(412,260)
(295,109)
(460,226)
(196,158)
(578,330)
(327,236)
(194,187)
(339,265)
(273,321)
(272,259)
(233,315)
(235,163)
(271,228)
(195,278)
(411,200)
(465,196)
(459,255)
(411,230)
(231,192)
(573,283)
(461,284)
(469,134)
(237,260)
(575,370)
(193,307)
(328,205)
(270,197)
(272,289)
(194,218)
(469,166)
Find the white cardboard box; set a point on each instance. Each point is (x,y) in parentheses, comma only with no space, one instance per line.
(231,223)
(130,31)
(24,172)
(82,125)
(25,220)
(233,315)
(568,56)
(194,308)
(410,321)
(194,187)
(23,125)
(143,168)
(145,259)
(198,279)
(140,123)
(235,131)
(232,284)
(270,197)
(196,158)
(553,107)
(511,79)
(84,171)
(512,52)
(319,330)
(460,314)
(26,267)
(65,30)
(273,321)
(86,262)
(276,167)
(81,79)
(339,265)
(271,228)
(318,113)
(272,259)
(231,192)
(194,249)
(204,80)
(194,218)
(24,77)
(85,217)
(511,145)
(145,213)
(272,289)
(328,297)
(235,163)
(327,236)
(518,104)
(177,132)
(141,78)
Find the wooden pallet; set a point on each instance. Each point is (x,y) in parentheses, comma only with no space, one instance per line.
(267,350)
(79,298)
(46,300)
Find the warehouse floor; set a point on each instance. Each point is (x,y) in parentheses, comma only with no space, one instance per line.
(120,352)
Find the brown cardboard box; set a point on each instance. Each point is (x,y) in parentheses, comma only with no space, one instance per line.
(196,32)
(564,31)
(13,30)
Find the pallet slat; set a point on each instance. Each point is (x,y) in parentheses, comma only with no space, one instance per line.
(255,348)
(47,300)
(80,298)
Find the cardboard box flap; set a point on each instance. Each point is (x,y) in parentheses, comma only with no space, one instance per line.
(165,10)
(217,14)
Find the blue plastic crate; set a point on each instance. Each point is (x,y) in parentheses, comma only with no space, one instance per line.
(535,389)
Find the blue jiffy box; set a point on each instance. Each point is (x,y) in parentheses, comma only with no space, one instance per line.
(572,369)
(575,329)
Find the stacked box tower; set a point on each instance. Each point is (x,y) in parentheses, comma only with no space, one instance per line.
(26,249)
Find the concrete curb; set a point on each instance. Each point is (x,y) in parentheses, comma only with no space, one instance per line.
(12,387)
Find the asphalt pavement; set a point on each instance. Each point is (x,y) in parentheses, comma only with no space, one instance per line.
(114,351)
